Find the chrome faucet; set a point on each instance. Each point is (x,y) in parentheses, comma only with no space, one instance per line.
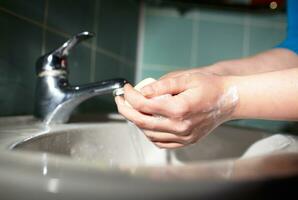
(55,98)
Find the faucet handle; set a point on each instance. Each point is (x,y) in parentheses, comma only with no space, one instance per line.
(56,59)
(71,43)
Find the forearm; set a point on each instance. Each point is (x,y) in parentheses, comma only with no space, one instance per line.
(272,60)
(272,95)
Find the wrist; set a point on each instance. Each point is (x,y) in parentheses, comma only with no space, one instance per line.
(231,96)
(219,68)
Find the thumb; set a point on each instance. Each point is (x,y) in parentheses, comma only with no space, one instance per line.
(173,86)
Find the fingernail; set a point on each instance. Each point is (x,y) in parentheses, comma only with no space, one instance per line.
(127,86)
(119,100)
(147,91)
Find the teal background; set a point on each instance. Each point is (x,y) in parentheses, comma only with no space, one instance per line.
(31,28)
(172,41)
(202,37)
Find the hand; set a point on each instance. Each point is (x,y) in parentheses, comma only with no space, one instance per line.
(196,105)
(212,69)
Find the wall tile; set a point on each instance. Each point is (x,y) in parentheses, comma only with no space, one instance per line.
(20,47)
(218,41)
(127,72)
(151,73)
(109,68)
(231,17)
(117,27)
(156,74)
(260,40)
(33,9)
(70,16)
(269,19)
(78,59)
(163,67)
(106,67)
(167,41)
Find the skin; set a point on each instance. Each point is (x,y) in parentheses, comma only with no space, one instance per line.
(264,86)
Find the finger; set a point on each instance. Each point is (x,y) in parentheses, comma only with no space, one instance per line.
(119,101)
(150,122)
(168,106)
(172,74)
(156,136)
(136,99)
(168,145)
(202,70)
(171,86)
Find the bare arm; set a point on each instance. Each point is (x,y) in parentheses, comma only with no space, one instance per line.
(271,95)
(271,60)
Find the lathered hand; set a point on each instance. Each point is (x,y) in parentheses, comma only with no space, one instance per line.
(197,104)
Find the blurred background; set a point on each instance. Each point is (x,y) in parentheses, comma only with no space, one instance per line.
(134,40)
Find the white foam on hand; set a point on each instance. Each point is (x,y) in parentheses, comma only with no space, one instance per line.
(140,85)
(143,83)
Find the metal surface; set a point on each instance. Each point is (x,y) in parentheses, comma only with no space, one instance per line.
(55,97)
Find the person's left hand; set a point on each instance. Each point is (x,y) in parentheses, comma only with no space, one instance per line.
(196,105)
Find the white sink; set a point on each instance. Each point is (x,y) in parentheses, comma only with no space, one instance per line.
(120,143)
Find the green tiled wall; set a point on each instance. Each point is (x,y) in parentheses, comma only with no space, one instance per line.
(202,37)
(167,41)
(30,28)
(172,41)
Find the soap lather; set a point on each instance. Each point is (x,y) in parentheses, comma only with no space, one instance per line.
(138,87)
(120,91)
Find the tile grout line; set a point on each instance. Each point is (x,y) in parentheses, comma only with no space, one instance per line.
(114,56)
(246,36)
(140,43)
(195,37)
(21,17)
(44,33)
(94,42)
(162,67)
(67,36)
(220,20)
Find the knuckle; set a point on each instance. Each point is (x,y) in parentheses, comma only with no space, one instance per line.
(181,111)
(183,127)
(193,141)
(152,139)
(158,145)
(140,123)
(150,136)
(138,106)
(120,110)
(178,112)
(189,139)
(171,83)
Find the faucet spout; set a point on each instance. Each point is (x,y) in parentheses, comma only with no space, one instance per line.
(57,108)
(55,98)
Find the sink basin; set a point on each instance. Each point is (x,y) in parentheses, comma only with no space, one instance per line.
(121,143)
(104,144)
(112,159)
